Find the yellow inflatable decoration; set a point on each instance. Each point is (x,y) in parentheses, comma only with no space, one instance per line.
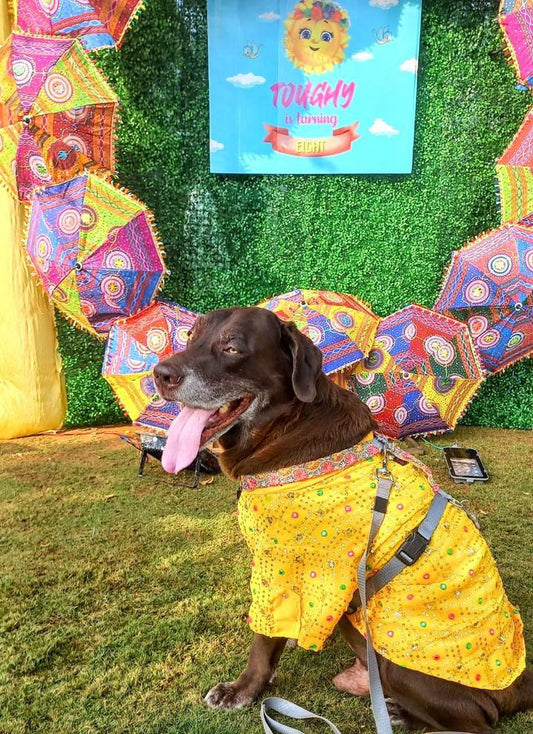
(32,391)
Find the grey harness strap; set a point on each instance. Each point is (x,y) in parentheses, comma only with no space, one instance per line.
(408,553)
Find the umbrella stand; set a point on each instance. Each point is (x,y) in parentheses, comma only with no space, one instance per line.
(153,445)
(414,446)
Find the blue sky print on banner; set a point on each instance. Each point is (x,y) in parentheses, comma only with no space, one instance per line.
(312,86)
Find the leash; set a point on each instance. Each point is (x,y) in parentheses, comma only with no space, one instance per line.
(408,553)
(381,502)
(293,711)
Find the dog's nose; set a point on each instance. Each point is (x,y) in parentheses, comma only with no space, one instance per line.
(166,375)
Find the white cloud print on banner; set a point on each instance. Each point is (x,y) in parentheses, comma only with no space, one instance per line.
(362,56)
(244,81)
(410,65)
(269,17)
(380,127)
(215,146)
(384,4)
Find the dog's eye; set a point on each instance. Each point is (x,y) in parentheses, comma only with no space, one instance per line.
(230,350)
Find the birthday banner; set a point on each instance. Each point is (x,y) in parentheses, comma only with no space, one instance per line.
(313,86)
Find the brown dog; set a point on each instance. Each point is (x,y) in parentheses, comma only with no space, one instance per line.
(255,384)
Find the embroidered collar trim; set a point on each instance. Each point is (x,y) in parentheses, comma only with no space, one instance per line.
(327,464)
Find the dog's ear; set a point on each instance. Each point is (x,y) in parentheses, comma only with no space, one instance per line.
(306,361)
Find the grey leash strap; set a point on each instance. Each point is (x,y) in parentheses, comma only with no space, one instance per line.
(377,698)
(287,708)
(379,706)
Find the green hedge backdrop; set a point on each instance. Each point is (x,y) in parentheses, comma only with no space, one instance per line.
(236,239)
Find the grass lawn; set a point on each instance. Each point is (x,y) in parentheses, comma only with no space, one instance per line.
(122,599)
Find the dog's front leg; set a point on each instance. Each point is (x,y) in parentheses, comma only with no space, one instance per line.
(262,661)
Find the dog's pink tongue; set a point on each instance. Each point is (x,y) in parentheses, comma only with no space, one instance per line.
(183,438)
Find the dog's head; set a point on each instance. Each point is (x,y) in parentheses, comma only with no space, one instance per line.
(241,368)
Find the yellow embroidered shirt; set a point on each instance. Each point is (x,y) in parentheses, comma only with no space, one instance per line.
(307,527)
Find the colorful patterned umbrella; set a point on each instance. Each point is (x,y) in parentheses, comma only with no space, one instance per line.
(134,346)
(515,174)
(516,21)
(57,113)
(489,285)
(421,373)
(97,24)
(95,249)
(342,326)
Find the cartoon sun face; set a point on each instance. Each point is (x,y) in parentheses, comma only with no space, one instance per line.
(316,35)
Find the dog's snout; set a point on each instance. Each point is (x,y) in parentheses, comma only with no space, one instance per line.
(167,375)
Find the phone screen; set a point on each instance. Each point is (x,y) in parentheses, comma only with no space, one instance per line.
(466,467)
(464,464)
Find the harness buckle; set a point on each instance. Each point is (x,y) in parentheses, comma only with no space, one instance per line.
(382,472)
(412,548)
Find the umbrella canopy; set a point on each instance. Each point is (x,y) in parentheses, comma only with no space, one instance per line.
(57,113)
(516,21)
(134,346)
(489,285)
(515,174)
(97,24)
(343,327)
(95,250)
(421,373)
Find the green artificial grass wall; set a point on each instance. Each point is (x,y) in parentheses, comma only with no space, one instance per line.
(236,239)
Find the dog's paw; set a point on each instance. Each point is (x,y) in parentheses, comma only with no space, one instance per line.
(227,696)
(395,713)
(354,680)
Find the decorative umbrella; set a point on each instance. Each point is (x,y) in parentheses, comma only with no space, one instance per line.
(95,250)
(134,346)
(515,174)
(97,24)
(343,327)
(421,373)
(489,285)
(516,21)
(57,113)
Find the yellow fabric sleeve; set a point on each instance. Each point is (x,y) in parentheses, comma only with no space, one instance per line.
(32,391)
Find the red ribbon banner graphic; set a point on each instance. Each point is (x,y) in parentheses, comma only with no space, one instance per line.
(339,142)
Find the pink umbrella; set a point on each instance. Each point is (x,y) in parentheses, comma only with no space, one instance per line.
(489,285)
(420,375)
(57,113)
(515,174)
(516,21)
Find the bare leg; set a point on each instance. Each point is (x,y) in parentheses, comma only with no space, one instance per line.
(262,661)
